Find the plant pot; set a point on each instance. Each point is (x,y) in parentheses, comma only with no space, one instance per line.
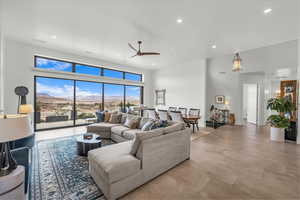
(277,134)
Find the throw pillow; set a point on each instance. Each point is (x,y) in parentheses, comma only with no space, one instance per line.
(163,123)
(100,116)
(123,118)
(143,121)
(115,118)
(148,126)
(132,121)
(107,116)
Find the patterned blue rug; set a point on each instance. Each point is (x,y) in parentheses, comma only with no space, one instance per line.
(59,173)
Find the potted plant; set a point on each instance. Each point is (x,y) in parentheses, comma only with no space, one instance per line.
(281,120)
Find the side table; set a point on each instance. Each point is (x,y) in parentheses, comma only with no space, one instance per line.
(12,185)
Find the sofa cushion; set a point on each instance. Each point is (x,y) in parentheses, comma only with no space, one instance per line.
(144,135)
(174,127)
(99,127)
(115,118)
(114,162)
(130,134)
(118,130)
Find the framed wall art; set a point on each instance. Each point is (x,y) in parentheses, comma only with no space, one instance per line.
(160,97)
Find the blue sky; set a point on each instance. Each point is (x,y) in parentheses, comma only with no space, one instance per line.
(64,88)
(82,69)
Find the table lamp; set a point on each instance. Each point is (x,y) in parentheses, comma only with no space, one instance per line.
(25,109)
(13,127)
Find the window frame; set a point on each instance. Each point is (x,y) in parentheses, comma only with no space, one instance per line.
(88,65)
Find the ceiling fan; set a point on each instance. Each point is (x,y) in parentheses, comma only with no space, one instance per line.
(140,53)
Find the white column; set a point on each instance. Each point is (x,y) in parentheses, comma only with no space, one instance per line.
(1,60)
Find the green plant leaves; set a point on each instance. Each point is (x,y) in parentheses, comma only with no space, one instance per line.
(282,105)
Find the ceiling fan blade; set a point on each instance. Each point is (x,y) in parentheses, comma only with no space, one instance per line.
(149,53)
(134,56)
(132,47)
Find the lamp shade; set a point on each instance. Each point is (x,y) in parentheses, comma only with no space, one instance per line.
(25,109)
(14,127)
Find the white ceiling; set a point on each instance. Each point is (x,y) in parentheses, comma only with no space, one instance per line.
(102,28)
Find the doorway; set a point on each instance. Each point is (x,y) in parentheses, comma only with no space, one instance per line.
(250,103)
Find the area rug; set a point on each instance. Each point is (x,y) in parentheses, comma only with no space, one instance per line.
(59,173)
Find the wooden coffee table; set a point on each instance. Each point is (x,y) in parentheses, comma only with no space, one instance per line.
(84,145)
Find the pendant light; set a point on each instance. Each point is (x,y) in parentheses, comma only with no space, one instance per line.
(237,63)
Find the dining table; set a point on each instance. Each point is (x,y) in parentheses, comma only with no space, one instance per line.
(191,120)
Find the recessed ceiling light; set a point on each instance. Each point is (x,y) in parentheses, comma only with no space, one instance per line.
(268,10)
(214,46)
(179,21)
(53,36)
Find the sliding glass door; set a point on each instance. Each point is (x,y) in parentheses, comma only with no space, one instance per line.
(65,103)
(88,101)
(113,97)
(54,103)
(133,96)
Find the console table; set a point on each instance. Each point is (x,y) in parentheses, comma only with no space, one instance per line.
(12,185)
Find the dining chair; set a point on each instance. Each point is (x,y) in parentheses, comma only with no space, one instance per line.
(163,115)
(172,109)
(183,110)
(194,112)
(176,116)
(151,113)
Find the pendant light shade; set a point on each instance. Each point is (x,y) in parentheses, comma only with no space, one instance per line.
(237,63)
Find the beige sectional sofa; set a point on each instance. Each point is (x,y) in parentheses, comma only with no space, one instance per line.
(138,157)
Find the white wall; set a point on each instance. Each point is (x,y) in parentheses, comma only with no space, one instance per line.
(280,59)
(185,85)
(1,71)
(1,57)
(19,63)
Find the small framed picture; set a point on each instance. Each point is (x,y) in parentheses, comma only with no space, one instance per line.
(160,97)
(220,99)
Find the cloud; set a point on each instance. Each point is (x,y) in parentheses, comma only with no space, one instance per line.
(52,64)
(66,91)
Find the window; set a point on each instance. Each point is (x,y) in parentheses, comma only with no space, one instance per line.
(84,69)
(50,64)
(54,103)
(112,73)
(133,77)
(133,96)
(63,102)
(59,65)
(88,101)
(113,97)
